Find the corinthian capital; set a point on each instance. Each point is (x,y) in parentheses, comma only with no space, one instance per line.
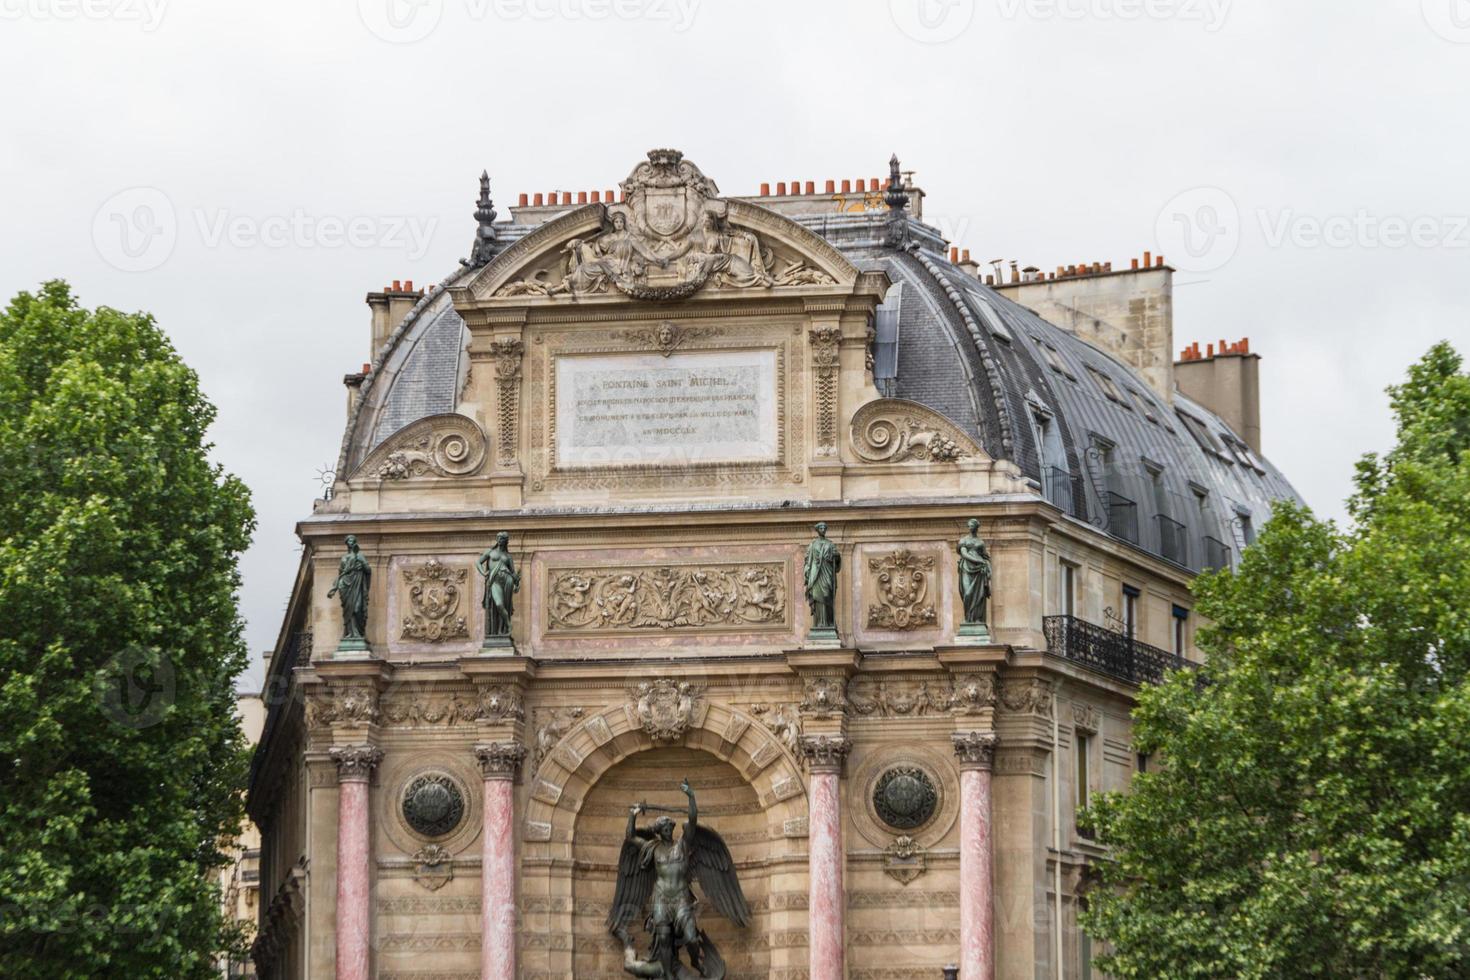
(355,763)
(976,750)
(824,753)
(500,760)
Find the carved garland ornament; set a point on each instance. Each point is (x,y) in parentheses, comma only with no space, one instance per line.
(902,580)
(825,342)
(508,352)
(434,592)
(893,430)
(668,597)
(438,446)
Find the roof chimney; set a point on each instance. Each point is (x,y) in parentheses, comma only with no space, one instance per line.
(1228,383)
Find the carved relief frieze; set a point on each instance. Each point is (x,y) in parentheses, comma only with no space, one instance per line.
(665,338)
(894,430)
(882,697)
(435,592)
(783,721)
(343,704)
(903,590)
(428,710)
(667,597)
(437,446)
(1028,696)
(824,697)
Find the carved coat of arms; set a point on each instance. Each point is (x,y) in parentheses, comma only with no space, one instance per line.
(665,707)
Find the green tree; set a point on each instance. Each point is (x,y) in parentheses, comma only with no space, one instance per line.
(121,760)
(1312,814)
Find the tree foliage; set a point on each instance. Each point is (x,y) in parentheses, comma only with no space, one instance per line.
(120,757)
(1312,814)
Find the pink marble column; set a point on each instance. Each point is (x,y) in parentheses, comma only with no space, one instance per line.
(355,765)
(827,900)
(499,762)
(976,752)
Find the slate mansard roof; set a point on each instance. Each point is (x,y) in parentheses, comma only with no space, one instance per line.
(1172,479)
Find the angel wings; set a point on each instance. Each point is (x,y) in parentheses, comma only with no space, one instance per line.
(708,861)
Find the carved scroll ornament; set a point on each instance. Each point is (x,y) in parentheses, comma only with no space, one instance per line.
(894,430)
(667,597)
(437,446)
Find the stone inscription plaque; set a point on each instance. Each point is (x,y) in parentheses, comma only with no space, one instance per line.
(684,409)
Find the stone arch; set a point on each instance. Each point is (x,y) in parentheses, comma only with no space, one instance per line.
(561,783)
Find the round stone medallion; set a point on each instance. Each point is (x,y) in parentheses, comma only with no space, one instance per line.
(433,804)
(904,797)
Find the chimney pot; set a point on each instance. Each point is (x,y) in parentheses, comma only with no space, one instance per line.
(1159,262)
(408,285)
(954,255)
(367,368)
(780,188)
(597,197)
(524,199)
(765,188)
(811,187)
(965,255)
(847,187)
(831,187)
(1148,259)
(581,197)
(537,200)
(397,285)
(872,183)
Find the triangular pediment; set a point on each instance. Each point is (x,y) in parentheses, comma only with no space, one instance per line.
(670,237)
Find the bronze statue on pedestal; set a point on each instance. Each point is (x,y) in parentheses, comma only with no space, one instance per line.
(657,871)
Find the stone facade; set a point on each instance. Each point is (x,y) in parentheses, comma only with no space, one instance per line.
(893,802)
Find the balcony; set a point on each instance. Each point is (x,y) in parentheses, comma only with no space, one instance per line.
(1107,652)
(1217,554)
(1122,516)
(1173,544)
(1057,484)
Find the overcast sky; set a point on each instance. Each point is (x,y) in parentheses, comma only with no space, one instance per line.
(247,171)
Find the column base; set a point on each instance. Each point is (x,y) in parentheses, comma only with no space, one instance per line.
(498,645)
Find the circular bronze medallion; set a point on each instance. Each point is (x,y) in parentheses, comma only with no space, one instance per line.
(433,805)
(904,797)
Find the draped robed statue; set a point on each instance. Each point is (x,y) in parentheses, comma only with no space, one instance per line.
(354,579)
(656,873)
(974,569)
(823,562)
(502,582)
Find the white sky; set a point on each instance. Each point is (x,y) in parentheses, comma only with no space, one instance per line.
(1329,137)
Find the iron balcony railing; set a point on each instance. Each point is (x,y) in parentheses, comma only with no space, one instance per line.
(1173,544)
(1057,484)
(1217,553)
(1122,516)
(1107,652)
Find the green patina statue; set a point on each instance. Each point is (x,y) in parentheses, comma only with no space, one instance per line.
(502,582)
(354,579)
(823,562)
(974,561)
(657,872)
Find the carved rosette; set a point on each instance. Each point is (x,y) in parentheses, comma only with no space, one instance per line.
(499,704)
(500,760)
(824,753)
(508,352)
(825,343)
(434,593)
(448,445)
(894,430)
(824,697)
(975,750)
(901,581)
(355,763)
(667,597)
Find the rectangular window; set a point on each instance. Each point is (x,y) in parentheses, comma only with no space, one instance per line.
(1082,745)
(1181,630)
(1084,955)
(1143,762)
(1067,589)
(1130,611)
(1247,529)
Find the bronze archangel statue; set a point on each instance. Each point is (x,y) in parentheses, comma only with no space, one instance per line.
(658,872)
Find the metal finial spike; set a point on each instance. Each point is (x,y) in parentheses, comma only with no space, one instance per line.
(485,236)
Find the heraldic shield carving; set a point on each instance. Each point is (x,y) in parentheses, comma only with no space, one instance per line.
(669,237)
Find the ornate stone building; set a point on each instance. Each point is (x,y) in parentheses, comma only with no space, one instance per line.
(658,394)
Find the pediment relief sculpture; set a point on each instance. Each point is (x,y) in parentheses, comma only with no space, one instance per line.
(670,236)
(895,430)
(438,446)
